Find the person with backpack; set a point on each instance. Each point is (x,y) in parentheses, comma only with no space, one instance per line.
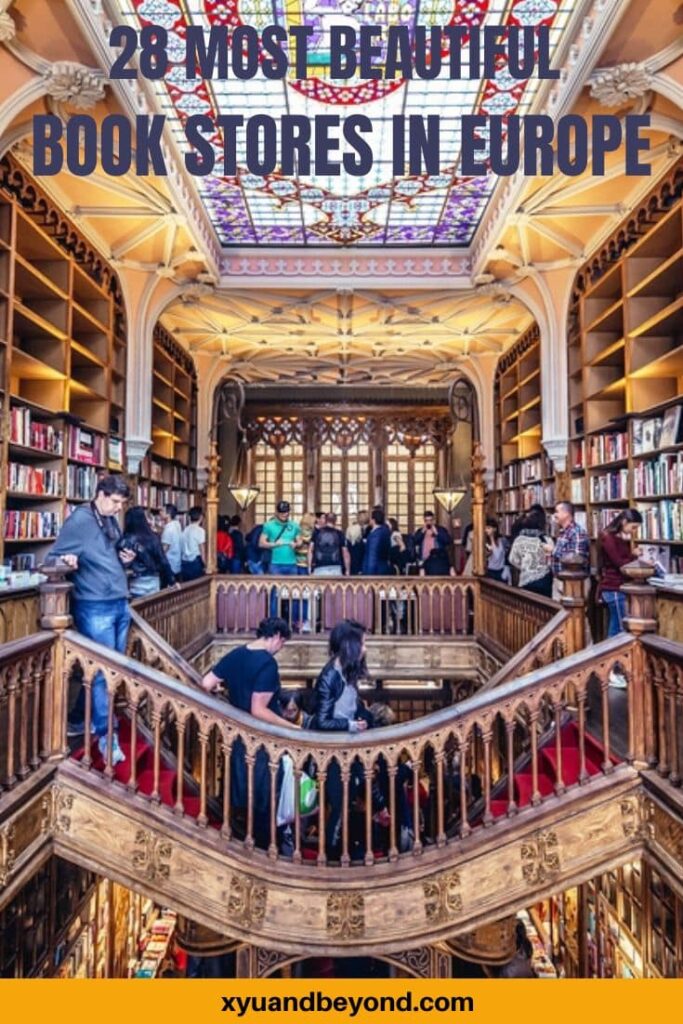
(258,559)
(328,554)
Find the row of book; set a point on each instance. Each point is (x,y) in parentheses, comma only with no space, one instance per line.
(86,446)
(598,449)
(24,525)
(609,486)
(662,521)
(30,433)
(34,480)
(168,473)
(659,476)
(155,496)
(658,431)
(538,494)
(81,482)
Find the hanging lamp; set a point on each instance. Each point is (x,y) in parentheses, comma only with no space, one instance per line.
(243,491)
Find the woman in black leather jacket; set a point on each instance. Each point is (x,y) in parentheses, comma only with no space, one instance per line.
(338,708)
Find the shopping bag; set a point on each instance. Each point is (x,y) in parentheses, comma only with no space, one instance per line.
(285,805)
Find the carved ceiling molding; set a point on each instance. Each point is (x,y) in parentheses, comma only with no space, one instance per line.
(376,270)
(599,21)
(135,98)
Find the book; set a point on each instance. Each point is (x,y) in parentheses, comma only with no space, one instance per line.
(671,424)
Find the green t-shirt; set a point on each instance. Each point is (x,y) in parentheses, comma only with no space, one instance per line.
(275,530)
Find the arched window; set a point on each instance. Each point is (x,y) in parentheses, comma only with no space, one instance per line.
(411,478)
(279,473)
(345,480)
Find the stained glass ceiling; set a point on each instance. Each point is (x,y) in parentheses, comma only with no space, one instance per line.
(379,209)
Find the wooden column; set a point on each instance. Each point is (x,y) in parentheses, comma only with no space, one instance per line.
(641,618)
(213,461)
(573,575)
(478,511)
(55,614)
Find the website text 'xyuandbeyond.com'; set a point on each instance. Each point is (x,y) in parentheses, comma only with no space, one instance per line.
(318,1002)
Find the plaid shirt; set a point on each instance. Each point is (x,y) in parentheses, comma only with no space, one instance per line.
(573,540)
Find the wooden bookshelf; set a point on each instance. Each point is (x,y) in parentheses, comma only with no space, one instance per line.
(625,350)
(524,473)
(168,473)
(62,367)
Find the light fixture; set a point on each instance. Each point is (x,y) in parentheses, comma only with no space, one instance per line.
(450,494)
(240,487)
(449,497)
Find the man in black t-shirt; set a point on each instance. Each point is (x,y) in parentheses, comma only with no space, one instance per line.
(251,679)
(328,553)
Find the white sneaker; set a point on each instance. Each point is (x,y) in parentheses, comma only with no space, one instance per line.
(117,755)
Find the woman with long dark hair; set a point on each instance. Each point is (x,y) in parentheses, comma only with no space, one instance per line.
(338,708)
(615,549)
(150,568)
(530,553)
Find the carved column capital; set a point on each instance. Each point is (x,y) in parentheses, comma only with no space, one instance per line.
(136,449)
(8,27)
(76,84)
(615,86)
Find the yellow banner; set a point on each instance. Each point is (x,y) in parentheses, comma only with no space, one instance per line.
(338,1002)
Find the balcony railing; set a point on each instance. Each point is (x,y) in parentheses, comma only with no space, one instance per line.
(395,791)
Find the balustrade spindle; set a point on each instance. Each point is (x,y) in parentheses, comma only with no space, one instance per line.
(25,684)
(202,817)
(322,779)
(559,782)
(226,830)
(249,838)
(581,705)
(393,822)
(510,747)
(37,691)
(108,767)
(86,760)
(417,842)
(535,793)
(662,760)
(155,795)
(180,759)
(345,775)
(440,824)
(132,778)
(674,774)
(272,845)
(297,815)
(369,858)
(12,686)
(488,817)
(607,763)
(464,823)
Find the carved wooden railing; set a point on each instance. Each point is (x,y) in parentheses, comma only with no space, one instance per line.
(509,618)
(662,720)
(28,707)
(400,605)
(19,614)
(148,647)
(550,644)
(420,771)
(185,617)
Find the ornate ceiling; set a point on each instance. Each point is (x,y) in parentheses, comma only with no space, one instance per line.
(341,337)
(376,210)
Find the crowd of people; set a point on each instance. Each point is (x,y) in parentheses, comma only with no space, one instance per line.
(110,565)
(374,545)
